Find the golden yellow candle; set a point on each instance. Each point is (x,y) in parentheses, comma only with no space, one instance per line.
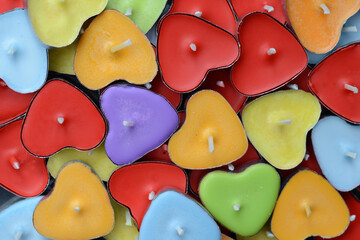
(277,124)
(61,60)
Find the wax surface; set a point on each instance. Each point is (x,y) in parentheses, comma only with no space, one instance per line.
(257,72)
(61,60)
(153,117)
(7,5)
(95,158)
(182,68)
(96,66)
(329,215)
(83,126)
(56,216)
(57,23)
(255,190)
(23,57)
(319,32)
(208,114)
(283,146)
(171,210)
(264,234)
(18,218)
(328,79)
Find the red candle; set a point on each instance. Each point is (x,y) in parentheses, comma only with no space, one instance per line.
(7,5)
(335,81)
(160,154)
(270,56)
(188,47)
(20,172)
(300,82)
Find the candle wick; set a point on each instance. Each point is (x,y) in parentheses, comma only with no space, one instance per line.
(128,218)
(220,84)
(60,120)
(293,86)
(236,207)
(270,234)
(351,154)
(14,162)
(18,235)
(128,11)
(11,51)
(307,210)
(165,148)
(306,157)
(193,47)
(128,123)
(284,122)
(151,196)
(271,51)
(91,152)
(198,13)
(148,85)
(231,167)
(352,218)
(269,8)
(120,46)
(211,144)
(325,8)
(77,209)
(351,88)
(349,29)
(180,231)
(16,165)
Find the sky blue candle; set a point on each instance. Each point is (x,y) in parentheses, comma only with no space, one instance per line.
(23,57)
(16,221)
(173,216)
(337,148)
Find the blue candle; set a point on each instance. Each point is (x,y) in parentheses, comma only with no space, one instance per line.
(16,221)
(23,57)
(173,216)
(337,148)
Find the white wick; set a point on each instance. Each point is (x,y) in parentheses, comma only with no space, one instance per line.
(198,13)
(180,231)
(352,218)
(121,46)
(307,210)
(128,218)
(16,165)
(236,207)
(306,157)
(128,12)
(351,88)
(151,195)
(284,122)
(77,208)
(18,235)
(128,123)
(193,47)
(220,84)
(269,8)
(325,8)
(11,51)
(91,152)
(211,144)
(231,167)
(349,29)
(351,154)
(148,85)
(293,86)
(271,51)
(61,120)
(269,234)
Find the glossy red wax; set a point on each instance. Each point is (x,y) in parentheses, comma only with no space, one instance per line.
(219,81)
(328,78)
(31,177)
(83,126)
(12,104)
(218,12)
(159,87)
(7,5)
(132,184)
(182,68)
(256,72)
(244,7)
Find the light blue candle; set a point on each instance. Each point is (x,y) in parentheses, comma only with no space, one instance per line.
(337,148)
(23,57)
(173,216)
(16,221)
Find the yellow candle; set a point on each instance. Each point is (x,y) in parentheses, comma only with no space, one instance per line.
(277,124)
(309,206)
(211,136)
(95,158)
(57,22)
(61,60)
(78,208)
(113,48)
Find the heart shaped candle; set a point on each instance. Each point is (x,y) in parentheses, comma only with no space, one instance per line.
(211,136)
(20,172)
(173,216)
(24,60)
(241,202)
(12,104)
(300,82)
(270,55)
(112,48)
(75,211)
(188,47)
(336,145)
(136,185)
(139,121)
(277,124)
(309,206)
(341,70)
(218,12)
(7,5)
(61,60)
(95,158)
(61,116)
(16,221)
(318,23)
(57,23)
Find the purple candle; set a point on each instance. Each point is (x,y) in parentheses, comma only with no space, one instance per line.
(139,121)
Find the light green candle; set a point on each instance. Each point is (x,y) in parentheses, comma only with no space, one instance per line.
(242,202)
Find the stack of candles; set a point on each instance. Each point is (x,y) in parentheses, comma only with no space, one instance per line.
(180,120)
